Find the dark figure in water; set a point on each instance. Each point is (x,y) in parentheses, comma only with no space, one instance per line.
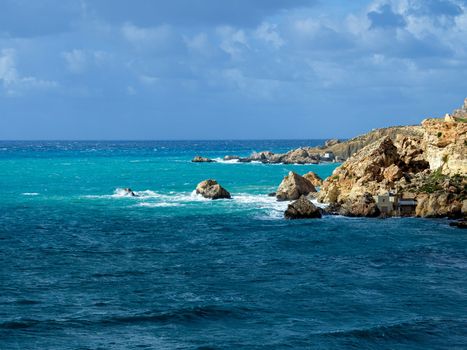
(129,192)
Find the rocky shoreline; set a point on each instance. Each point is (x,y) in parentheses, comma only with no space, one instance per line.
(417,171)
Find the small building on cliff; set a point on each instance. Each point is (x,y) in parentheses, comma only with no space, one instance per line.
(391,204)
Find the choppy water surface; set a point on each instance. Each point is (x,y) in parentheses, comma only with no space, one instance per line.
(83,267)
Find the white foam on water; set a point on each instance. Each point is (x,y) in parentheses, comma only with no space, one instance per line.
(159,205)
(264,206)
(30,194)
(223,161)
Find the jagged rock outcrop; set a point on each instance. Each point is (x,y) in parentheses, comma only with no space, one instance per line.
(364,206)
(293,186)
(302,209)
(446,145)
(344,150)
(212,190)
(199,159)
(438,205)
(313,178)
(429,168)
(365,172)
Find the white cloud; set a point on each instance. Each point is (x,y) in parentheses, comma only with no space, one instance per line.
(15,84)
(160,37)
(233,41)
(78,61)
(268,33)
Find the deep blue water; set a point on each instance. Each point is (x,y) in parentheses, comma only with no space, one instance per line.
(83,267)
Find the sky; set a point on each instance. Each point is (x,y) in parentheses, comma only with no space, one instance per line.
(231,69)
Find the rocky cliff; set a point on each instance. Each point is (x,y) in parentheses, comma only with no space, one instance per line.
(427,164)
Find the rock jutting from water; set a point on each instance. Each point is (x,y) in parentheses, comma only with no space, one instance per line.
(420,175)
(293,186)
(199,159)
(302,208)
(212,190)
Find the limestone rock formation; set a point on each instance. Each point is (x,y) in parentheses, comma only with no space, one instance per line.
(446,145)
(302,209)
(364,205)
(428,167)
(293,186)
(313,178)
(212,190)
(199,159)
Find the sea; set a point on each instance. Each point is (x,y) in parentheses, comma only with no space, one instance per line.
(83,266)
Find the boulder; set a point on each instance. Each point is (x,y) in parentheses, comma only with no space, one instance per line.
(293,186)
(212,190)
(302,209)
(199,159)
(313,178)
(392,173)
(364,206)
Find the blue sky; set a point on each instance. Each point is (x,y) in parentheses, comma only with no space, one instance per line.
(244,69)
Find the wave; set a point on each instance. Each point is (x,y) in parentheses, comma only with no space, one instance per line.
(407,330)
(177,316)
(30,194)
(230,161)
(265,207)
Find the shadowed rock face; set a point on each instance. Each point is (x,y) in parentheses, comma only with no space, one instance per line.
(293,186)
(302,209)
(212,190)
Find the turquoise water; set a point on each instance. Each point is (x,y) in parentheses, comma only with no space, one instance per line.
(84,267)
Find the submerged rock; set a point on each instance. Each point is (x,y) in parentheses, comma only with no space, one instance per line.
(212,190)
(129,192)
(302,209)
(293,186)
(459,223)
(199,159)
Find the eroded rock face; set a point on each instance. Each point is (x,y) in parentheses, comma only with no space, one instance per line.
(438,205)
(313,178)
(302,209)
(429,168)
(364,172)
(293,186)
(364,206)
(446,145)
(212,190)
(199,159)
